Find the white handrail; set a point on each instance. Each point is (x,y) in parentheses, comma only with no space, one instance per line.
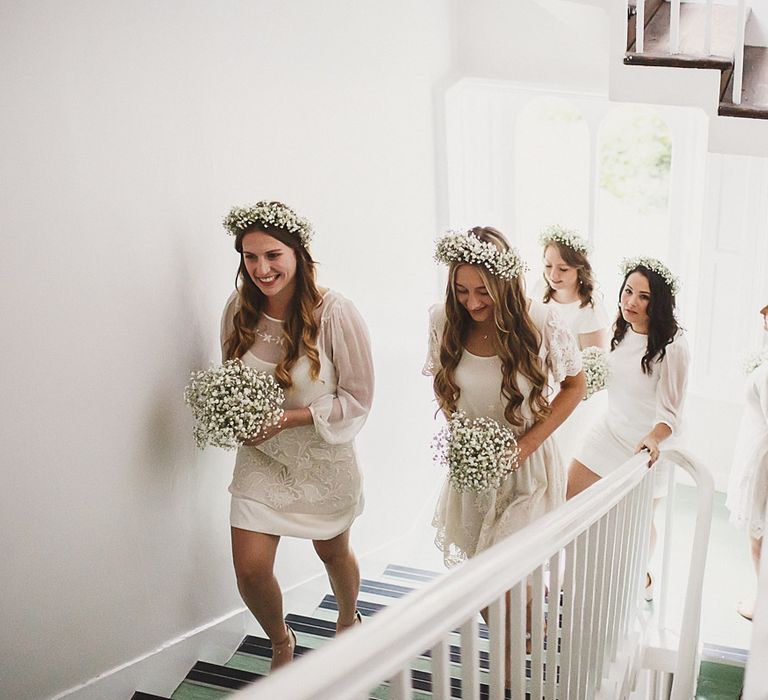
(738,57)
(386,644)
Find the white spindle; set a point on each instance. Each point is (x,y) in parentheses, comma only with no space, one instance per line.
(674,27)
(738,58)
(517,603)
(566,645)
(640,26)
(553,623)
(470,660)
(667,551)
(591,605)
(441,675)
(537,632)
(578,638)
(496,647)
(400,685)
(708,29)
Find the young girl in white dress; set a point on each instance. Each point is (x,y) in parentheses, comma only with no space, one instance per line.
(491,351)
(748,485)
(569,287)
(299,478)
(647,379)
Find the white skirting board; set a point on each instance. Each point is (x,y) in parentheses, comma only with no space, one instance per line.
(162,669)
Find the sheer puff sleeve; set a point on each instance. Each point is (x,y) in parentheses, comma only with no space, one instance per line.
(673,379)
(563,354)
(339,417)
(436,323)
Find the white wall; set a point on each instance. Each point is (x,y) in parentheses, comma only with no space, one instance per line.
(128,131)
(538,41)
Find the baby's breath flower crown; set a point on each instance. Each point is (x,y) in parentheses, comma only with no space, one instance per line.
(268,214)
(629,264)
(565,236)
(466,247)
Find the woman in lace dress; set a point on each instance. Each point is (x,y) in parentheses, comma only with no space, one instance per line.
(748,486)
(491,351)
(647,379)
(299,478)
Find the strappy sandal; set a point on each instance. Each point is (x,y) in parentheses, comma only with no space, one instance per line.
(357,621)
(282,652)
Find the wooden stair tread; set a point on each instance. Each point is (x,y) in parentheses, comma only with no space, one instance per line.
(693,19)
(754,92)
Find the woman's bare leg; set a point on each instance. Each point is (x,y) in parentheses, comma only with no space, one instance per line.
(344,575)
(579,478)
(253,554)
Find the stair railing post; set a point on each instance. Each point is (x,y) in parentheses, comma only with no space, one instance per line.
(640,26)
(708,29)
(674,27)
(738,58)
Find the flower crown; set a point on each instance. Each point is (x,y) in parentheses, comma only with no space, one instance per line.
(654,265)
(269,214)
(466,247)
(567,237)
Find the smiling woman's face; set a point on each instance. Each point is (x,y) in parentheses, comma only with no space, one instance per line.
(270,264)
(471,293)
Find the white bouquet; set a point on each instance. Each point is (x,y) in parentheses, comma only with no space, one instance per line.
(594,362)
(754,359)
(478,453)
(232,403)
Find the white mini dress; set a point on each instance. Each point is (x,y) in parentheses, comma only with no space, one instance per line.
(305,482)
(637,402)
(748,484)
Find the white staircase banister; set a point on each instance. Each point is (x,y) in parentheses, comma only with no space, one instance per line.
(393,637)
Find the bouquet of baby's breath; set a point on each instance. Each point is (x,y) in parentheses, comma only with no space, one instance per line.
(754,359)
(594,362)
(232,403)
(478,453)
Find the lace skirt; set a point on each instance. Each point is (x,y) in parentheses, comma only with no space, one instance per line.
(468,523)
(298,485)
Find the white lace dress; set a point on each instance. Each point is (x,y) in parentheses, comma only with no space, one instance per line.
(637,402)
(580,321)
(468,523)
(748,485)
(305,482)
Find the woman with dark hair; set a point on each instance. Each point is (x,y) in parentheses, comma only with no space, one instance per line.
(570,286)
(299,478)
(492,352)
(748,485)
(647,379)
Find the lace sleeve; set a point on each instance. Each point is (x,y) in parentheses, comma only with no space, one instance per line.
(339,417)
(436,319)
(673,380)
(563,354)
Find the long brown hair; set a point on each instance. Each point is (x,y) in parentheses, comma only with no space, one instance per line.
(517,340)
(300,328)
(585,278)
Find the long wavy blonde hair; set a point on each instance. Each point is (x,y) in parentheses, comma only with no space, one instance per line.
(300,328)
(516,342)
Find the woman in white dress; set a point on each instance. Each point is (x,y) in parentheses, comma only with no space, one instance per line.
(748,485)
(299,478)
(570,286)
(647,378)
(491,350)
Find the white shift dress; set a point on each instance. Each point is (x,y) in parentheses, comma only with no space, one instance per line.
(637,402)
(468,523)
(305,481)
(748,485)
(580,321)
